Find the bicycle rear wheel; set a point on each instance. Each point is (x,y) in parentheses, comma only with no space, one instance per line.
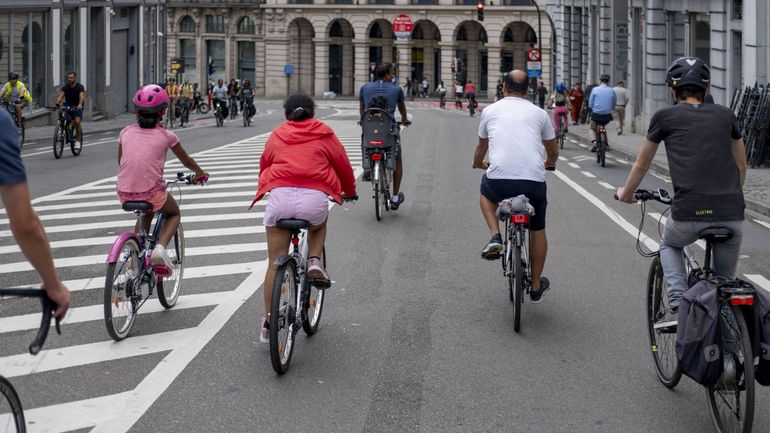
(314,304)
(11,413)
(75,149)
(169,289)
(561,135)
(731,399)
(378,201)
(58,142)
(283,317)
(121,284)
(203,108)
(518,283)
(22,133)
(663,344)
(602,150)
(385,185)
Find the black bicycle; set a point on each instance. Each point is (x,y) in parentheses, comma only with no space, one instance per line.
(198,104)
(601,143)
(516,265)
(65,132)
(562,128)
(183,111)
(219,113)
(472,105)
(11,107)
(11,411)
(248,106)
(233,107)
(731,399)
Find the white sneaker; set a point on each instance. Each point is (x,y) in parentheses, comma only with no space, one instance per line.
(160,257)
(78,144)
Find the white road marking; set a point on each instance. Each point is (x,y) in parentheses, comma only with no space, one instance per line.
(661,177)
(621,161)
(188,193)
(573,165)
(561,158)
(582,158)
(762,223)
(588,174)
(759,280)
(606,185)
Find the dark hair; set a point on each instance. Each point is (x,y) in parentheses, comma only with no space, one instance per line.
(513,85)
(382,70)
(689,90)
(148,120)
(299,106)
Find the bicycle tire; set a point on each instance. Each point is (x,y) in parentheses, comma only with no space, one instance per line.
(203,108)
(175,248)
(283,314)
(58,142)
(602,153)
(120,297)
(315,299)
(11,404)
(75,151)
(508,266)
(662,344)
(518,284)
(386,188)
(561,135)
(471,109)
(735,349)
(22,134)
(376,183)
(245,119)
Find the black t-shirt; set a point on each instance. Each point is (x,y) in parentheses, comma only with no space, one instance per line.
(698,140)
(72,94)
(11,168)
(541,92)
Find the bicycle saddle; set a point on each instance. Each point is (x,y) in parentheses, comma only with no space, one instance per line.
(137,205)
(716,234)
(293,224)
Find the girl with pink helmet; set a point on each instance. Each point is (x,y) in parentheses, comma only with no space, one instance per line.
(142,149)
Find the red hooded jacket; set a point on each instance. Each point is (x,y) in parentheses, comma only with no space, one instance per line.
(305,154)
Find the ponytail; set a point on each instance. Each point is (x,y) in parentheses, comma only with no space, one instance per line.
(148,120)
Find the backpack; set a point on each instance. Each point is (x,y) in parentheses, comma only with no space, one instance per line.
(378,127)
(762,373)
(560,99)
(698,334)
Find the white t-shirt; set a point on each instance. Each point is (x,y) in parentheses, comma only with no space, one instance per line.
(516,129)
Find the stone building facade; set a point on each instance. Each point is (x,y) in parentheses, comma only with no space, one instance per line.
(331,44)
(636,40)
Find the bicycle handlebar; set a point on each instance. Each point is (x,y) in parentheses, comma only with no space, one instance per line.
(45,324)
(661,195)
(188,180)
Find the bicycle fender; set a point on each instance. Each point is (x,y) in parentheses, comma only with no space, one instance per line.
(117,246)
(280,261)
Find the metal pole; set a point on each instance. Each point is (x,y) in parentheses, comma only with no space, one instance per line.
(539,26)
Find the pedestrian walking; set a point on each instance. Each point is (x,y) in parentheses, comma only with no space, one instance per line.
(576,97)
(542,92)
(408,87)
(441,89)
(621,94)
(424,87)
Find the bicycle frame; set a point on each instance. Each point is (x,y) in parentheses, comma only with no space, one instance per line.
(517,238)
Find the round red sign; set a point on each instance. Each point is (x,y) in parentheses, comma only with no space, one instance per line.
(402,26)
(534,55)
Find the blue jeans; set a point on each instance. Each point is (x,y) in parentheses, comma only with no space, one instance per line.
(679,234)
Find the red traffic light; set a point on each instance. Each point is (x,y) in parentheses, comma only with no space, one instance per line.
(480,5)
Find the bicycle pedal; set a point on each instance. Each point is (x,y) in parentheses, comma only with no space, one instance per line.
(162,271)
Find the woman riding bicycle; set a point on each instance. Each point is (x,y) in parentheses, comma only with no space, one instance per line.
(303,164)
(142,158)
(560,100)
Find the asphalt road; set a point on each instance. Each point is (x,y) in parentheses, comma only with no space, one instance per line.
(416,333)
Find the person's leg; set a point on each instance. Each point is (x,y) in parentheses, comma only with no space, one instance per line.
(78,129)
(538,249)
(726,253)
(170,211)
(398,173)
(19,117)
(621,118)
(277,245)
(592,130)
(676,236)
(488,209)
(316,239)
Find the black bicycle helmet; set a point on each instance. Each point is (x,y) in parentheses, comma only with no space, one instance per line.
(688,71)
(604,77)
(13,76)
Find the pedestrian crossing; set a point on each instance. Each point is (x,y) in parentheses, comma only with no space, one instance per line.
(226,259)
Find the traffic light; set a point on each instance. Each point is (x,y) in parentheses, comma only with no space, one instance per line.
(480,10)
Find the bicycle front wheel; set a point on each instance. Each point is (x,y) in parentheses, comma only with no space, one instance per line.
(314,304)
(283,317)
(662,342)
(120,287)
(58,142)
(169,289)
(518,285)
(11,413)
(731,399)
(75,149)
(203,108)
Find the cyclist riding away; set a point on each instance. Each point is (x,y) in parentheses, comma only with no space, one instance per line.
(15,92)
(74,94)
(470,93)
(303,164)
(601,102)
(701,140)
(142,151)
(384,87)
(246,96)
(521,143)
(219,95)
(560,99)
(25,224)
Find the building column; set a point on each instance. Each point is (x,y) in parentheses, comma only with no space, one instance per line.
(473,63)
(656,94)
(585,47)
(493,69)
(575,47)
(321,65)
(361,65)
(276,85)
(721,52)
(404,61)
(348,65)
(447,57)
(605,39)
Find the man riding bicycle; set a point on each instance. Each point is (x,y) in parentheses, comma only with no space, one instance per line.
(521,143)
(219,96)
(246,96)
(601,102)
(701,140)
(74,94)
(384,87)
(186,93)
(172,89)
(16,93)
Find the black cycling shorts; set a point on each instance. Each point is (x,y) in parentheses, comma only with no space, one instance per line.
(498,190)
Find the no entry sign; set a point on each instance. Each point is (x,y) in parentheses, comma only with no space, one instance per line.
(402,26)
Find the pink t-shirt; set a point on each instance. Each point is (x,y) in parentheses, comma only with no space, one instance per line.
(143,158)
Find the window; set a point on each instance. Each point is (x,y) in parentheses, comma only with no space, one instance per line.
(23,50)
(531,36)
(335,30)
(187,49)
(216,51)
(508,37)
(462,35)
(246,26)
(376,31)
(417,32)
(187,25)
(69,34)
(215,24)
(702,40)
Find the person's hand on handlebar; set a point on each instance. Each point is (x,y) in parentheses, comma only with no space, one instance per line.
(626,196)
(200,178)
(60,294)
(345,198)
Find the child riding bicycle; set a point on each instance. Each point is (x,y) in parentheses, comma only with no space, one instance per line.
(142,151)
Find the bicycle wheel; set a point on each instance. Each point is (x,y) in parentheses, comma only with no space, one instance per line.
(731,399)
(561,135)
(602,151)
(58,142)
(203,108)
(120,286)
(21,135)
(518,283)
(386,188)
(11,413)
(376,178)
(245,119)
(663,344)
(75,150)
(314,304)
(169,289)
(283,317)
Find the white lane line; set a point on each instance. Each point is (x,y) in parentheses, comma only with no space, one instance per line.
(621,161)
(187,193)
(96,312)
(69,262)
(582,158)
(561,158)
(762,223)
(189,273)
(113,140)
(606,185)
(588,174)
(130,223)
(759,280)
(661,177)
(71,416)
(216,164)
(220,182)
(573,165)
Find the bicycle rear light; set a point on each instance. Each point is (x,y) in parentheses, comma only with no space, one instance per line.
(376,157)
(519,219)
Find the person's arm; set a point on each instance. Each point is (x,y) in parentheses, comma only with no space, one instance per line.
(361,109)
(82,99)
(187,161)
(551,152)
(739,153)
(402,110)
(479,153)
(33,242)
(340,162)
(638,171)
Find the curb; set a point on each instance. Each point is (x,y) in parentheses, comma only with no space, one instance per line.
(656,167)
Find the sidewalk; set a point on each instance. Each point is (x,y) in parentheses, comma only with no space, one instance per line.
(756,189)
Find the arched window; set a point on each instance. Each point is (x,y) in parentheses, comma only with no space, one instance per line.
(483,35)
(187,25)
(335,30)
(246,26)
(530,36)
(417,33)
(376,31)
(508,37)
(462,35)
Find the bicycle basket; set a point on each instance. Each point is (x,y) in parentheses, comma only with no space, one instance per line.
(379,129)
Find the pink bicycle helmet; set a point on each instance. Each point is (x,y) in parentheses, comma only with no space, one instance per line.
(151,98)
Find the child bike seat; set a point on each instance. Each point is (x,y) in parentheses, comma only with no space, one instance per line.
(292,224)
(716,234)
(137,205)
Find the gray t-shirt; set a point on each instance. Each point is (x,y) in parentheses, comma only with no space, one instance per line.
(698,140)
(219,92)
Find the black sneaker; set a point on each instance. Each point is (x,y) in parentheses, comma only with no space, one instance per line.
(394,204)
(494,248)
(668,322)
(367,176)
(537,297)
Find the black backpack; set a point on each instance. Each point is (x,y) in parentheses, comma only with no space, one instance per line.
(698,333)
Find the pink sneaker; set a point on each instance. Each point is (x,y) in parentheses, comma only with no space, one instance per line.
(317,274)
(264,334)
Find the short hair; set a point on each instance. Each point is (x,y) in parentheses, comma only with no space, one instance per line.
(72,73)
(688,91)
(621,82)
(382,70)
(299,106)
(518,87)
